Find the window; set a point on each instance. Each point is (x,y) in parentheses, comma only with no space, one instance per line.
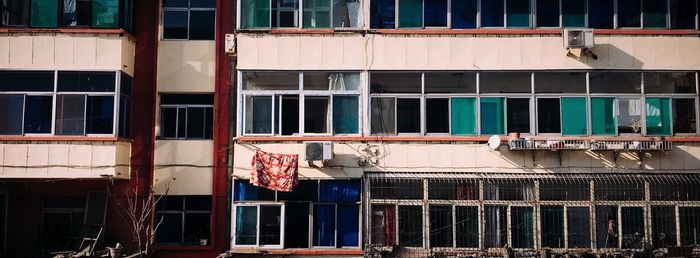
(522,228)
(632,227)
(654,12)
(607,230)
(496,226)
(663,222)
(689,225)
(14,13)
(629,13)
(518,13)
(682,14)
(658,119)
(440,226)
(492,13)
(317,14)
(186,116)
(435,13)
(274,103)
(684,120)
(548,115)
(66,13)
(193,20)
(505,82)
(547,13)
(259,14)
(285,13)
(464,14)
(615,82)
(463,116)
(410,13)
(411,189)
(492,116)
(382,14)
(85,103)
(573,13)
(578,227)
(624,191)
(555,190)
(411,226)
(629,117)
(76,13)
(508,191)
(601,14)
(184,220)
(318,213)
(669,82)
(67,220)
(603,116)
(518,115)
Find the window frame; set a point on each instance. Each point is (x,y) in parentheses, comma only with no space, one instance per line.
(183,210)
(189,10)
(186,107)
(300,19)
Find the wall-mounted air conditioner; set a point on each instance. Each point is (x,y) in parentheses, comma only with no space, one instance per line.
(318,151)
(578,38)
(230,44)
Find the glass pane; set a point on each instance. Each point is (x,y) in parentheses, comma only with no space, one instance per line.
(105,13)
(296,234)
(331,81)
(203,3)
(435,13)
(629,13)
(411,225)
(615,82)
(197,227)
(208,122)
(339,191)
(244,191)
(289,118)
(255,14)
(557,190)
(270,221)
(317,14)
(395,83)
(632,227)
(271,81)
(508,191)
(27,81)
(285,13)
(409,112)
(396,189)
(324,225)
(560,82)
(70,114)
(306,190)
(258,115)
(552,225)
(603,116)
(449,82)
(467,226)
(170,229)
(86,81)
(176,3)
(100,115)
(655,13)
(682,14)
(548,116)
(246,225)
(505,82)
(574,116)
(316,115)
(410,13)
(346,13)
(437,115)
(187,99)
(492,13)
(547,13)
(669,82)
(658,116)
(382,14)
(195,123)
(689,225)
(38,114)
(663,223)
(175,24)
(464,14)
(168,124)
(44,14)
(345,114)
(601,14)
(684,120)
(440,226)
(383,116)
(518,115)
(578,227)
(518,13)
(383,225)
(606,226)
(202,25)
(453,189)
(14,13)
(11,107)
(492,116)
(463,116)
(619,191)
(573,13)
(496,227)
(182,123)
(198,202)
(629,115)
(348,229)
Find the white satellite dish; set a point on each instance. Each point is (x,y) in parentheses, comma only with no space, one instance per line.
(494,142)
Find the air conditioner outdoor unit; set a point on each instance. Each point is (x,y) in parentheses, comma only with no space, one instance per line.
(230,44)
(318,151)
(578,38)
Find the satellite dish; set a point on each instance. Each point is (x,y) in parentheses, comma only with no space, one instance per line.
(494,142)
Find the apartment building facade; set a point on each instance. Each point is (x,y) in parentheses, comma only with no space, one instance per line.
(598,147)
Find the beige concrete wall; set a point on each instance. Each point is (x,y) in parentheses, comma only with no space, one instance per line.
(460,52)
(60,159)
(187,163)
(66,51)
(467,157)
(186,66)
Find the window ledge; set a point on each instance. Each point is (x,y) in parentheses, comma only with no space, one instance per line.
(246,139)
(64,138)
(317,251)
(481,31)
(68,30)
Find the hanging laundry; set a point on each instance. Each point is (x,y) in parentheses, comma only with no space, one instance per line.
(275,171)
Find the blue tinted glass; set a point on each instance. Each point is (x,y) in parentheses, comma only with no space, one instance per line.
(492,13)
(629,13)
(682,14)
(202,25)
(203,3)
(324,225)
(100,115)
(348,230)
(464,14)
(37,114)
(11,114)
(547,13)
(518,13)
(382,14)
(70,81)
(601,14)
(176,3)
(175,25)
(574,13)
(435,13)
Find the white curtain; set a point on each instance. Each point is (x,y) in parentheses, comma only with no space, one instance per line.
(336,81)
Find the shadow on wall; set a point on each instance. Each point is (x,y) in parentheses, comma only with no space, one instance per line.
(609,56)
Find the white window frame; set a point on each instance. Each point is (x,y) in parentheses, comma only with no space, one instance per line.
(185,107)
(189,10)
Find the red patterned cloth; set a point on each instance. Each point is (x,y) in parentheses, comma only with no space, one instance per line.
(275,171)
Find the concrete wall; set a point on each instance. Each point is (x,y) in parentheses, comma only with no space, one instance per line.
(188,162)
(460,52)
(468,157)
(186,66)
(63,159)
(66,51)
